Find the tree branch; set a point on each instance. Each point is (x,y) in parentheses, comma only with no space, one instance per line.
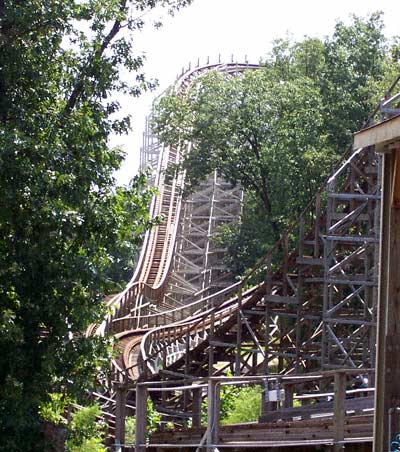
(79,87)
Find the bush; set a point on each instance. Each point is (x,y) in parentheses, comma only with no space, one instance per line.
(246,406)
(237,404)
(86,431)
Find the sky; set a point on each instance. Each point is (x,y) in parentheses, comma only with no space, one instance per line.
(242,28)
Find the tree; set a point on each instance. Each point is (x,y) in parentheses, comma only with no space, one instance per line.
(278,130)
(65,228)
(254,131)
(359,69)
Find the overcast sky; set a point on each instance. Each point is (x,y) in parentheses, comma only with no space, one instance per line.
(241,28)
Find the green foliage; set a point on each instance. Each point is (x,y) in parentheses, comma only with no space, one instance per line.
(153,417)
(86,432)
(254,131)
(54,409)
(237,404)
(246,406)
(89,445)
(248,239)
(67,233)
(130,428)
(228,395)
(278,130)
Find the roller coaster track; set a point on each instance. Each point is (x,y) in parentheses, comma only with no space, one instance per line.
(313,307)
(163,288)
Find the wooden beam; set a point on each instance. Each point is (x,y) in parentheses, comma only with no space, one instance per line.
(339,410)
(379,135)
(120,414)
(141,418)
(395,195)
(388,345)
(196,408)
(213,414)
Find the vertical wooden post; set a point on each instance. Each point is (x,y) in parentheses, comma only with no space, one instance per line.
(238,333)
(187,366)
(282,323)
(120,414)
(388,361)
(211,344)
(380,405)
(213,398)
(339,410)
(141,418)
(327,259)
(164,394)
(197,401)
(289,391)
(317,224)
(268,290)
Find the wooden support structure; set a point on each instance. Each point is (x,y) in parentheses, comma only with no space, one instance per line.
(196,408)
(339,410)
(141,418)
(120,414)
(386,139)
(238,356)
(213,413)
(316,308)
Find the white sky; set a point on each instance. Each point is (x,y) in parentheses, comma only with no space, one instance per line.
(232,27)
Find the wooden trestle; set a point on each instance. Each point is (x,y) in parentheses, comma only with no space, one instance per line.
(311,304)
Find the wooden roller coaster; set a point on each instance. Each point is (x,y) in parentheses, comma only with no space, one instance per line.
(308,310)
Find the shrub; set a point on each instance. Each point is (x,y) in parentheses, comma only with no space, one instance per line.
(246,406)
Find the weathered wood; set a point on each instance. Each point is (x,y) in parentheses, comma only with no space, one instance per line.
(213,414)
(238,332)
(307,260)
(378,135)
(321,409)
(196,408)
(289,392)
(387,378)
(395,195)
(339,410)
(317,224)
(141,418)
(211,345)
(120,414)
(280,299)
(295,433)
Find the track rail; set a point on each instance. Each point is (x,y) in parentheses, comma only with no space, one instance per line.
(145,303)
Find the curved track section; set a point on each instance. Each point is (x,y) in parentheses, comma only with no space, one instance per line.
(177,269)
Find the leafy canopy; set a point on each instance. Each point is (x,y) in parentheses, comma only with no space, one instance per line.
(67,233)
(277,130)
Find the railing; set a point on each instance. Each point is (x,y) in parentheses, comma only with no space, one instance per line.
(344,409)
